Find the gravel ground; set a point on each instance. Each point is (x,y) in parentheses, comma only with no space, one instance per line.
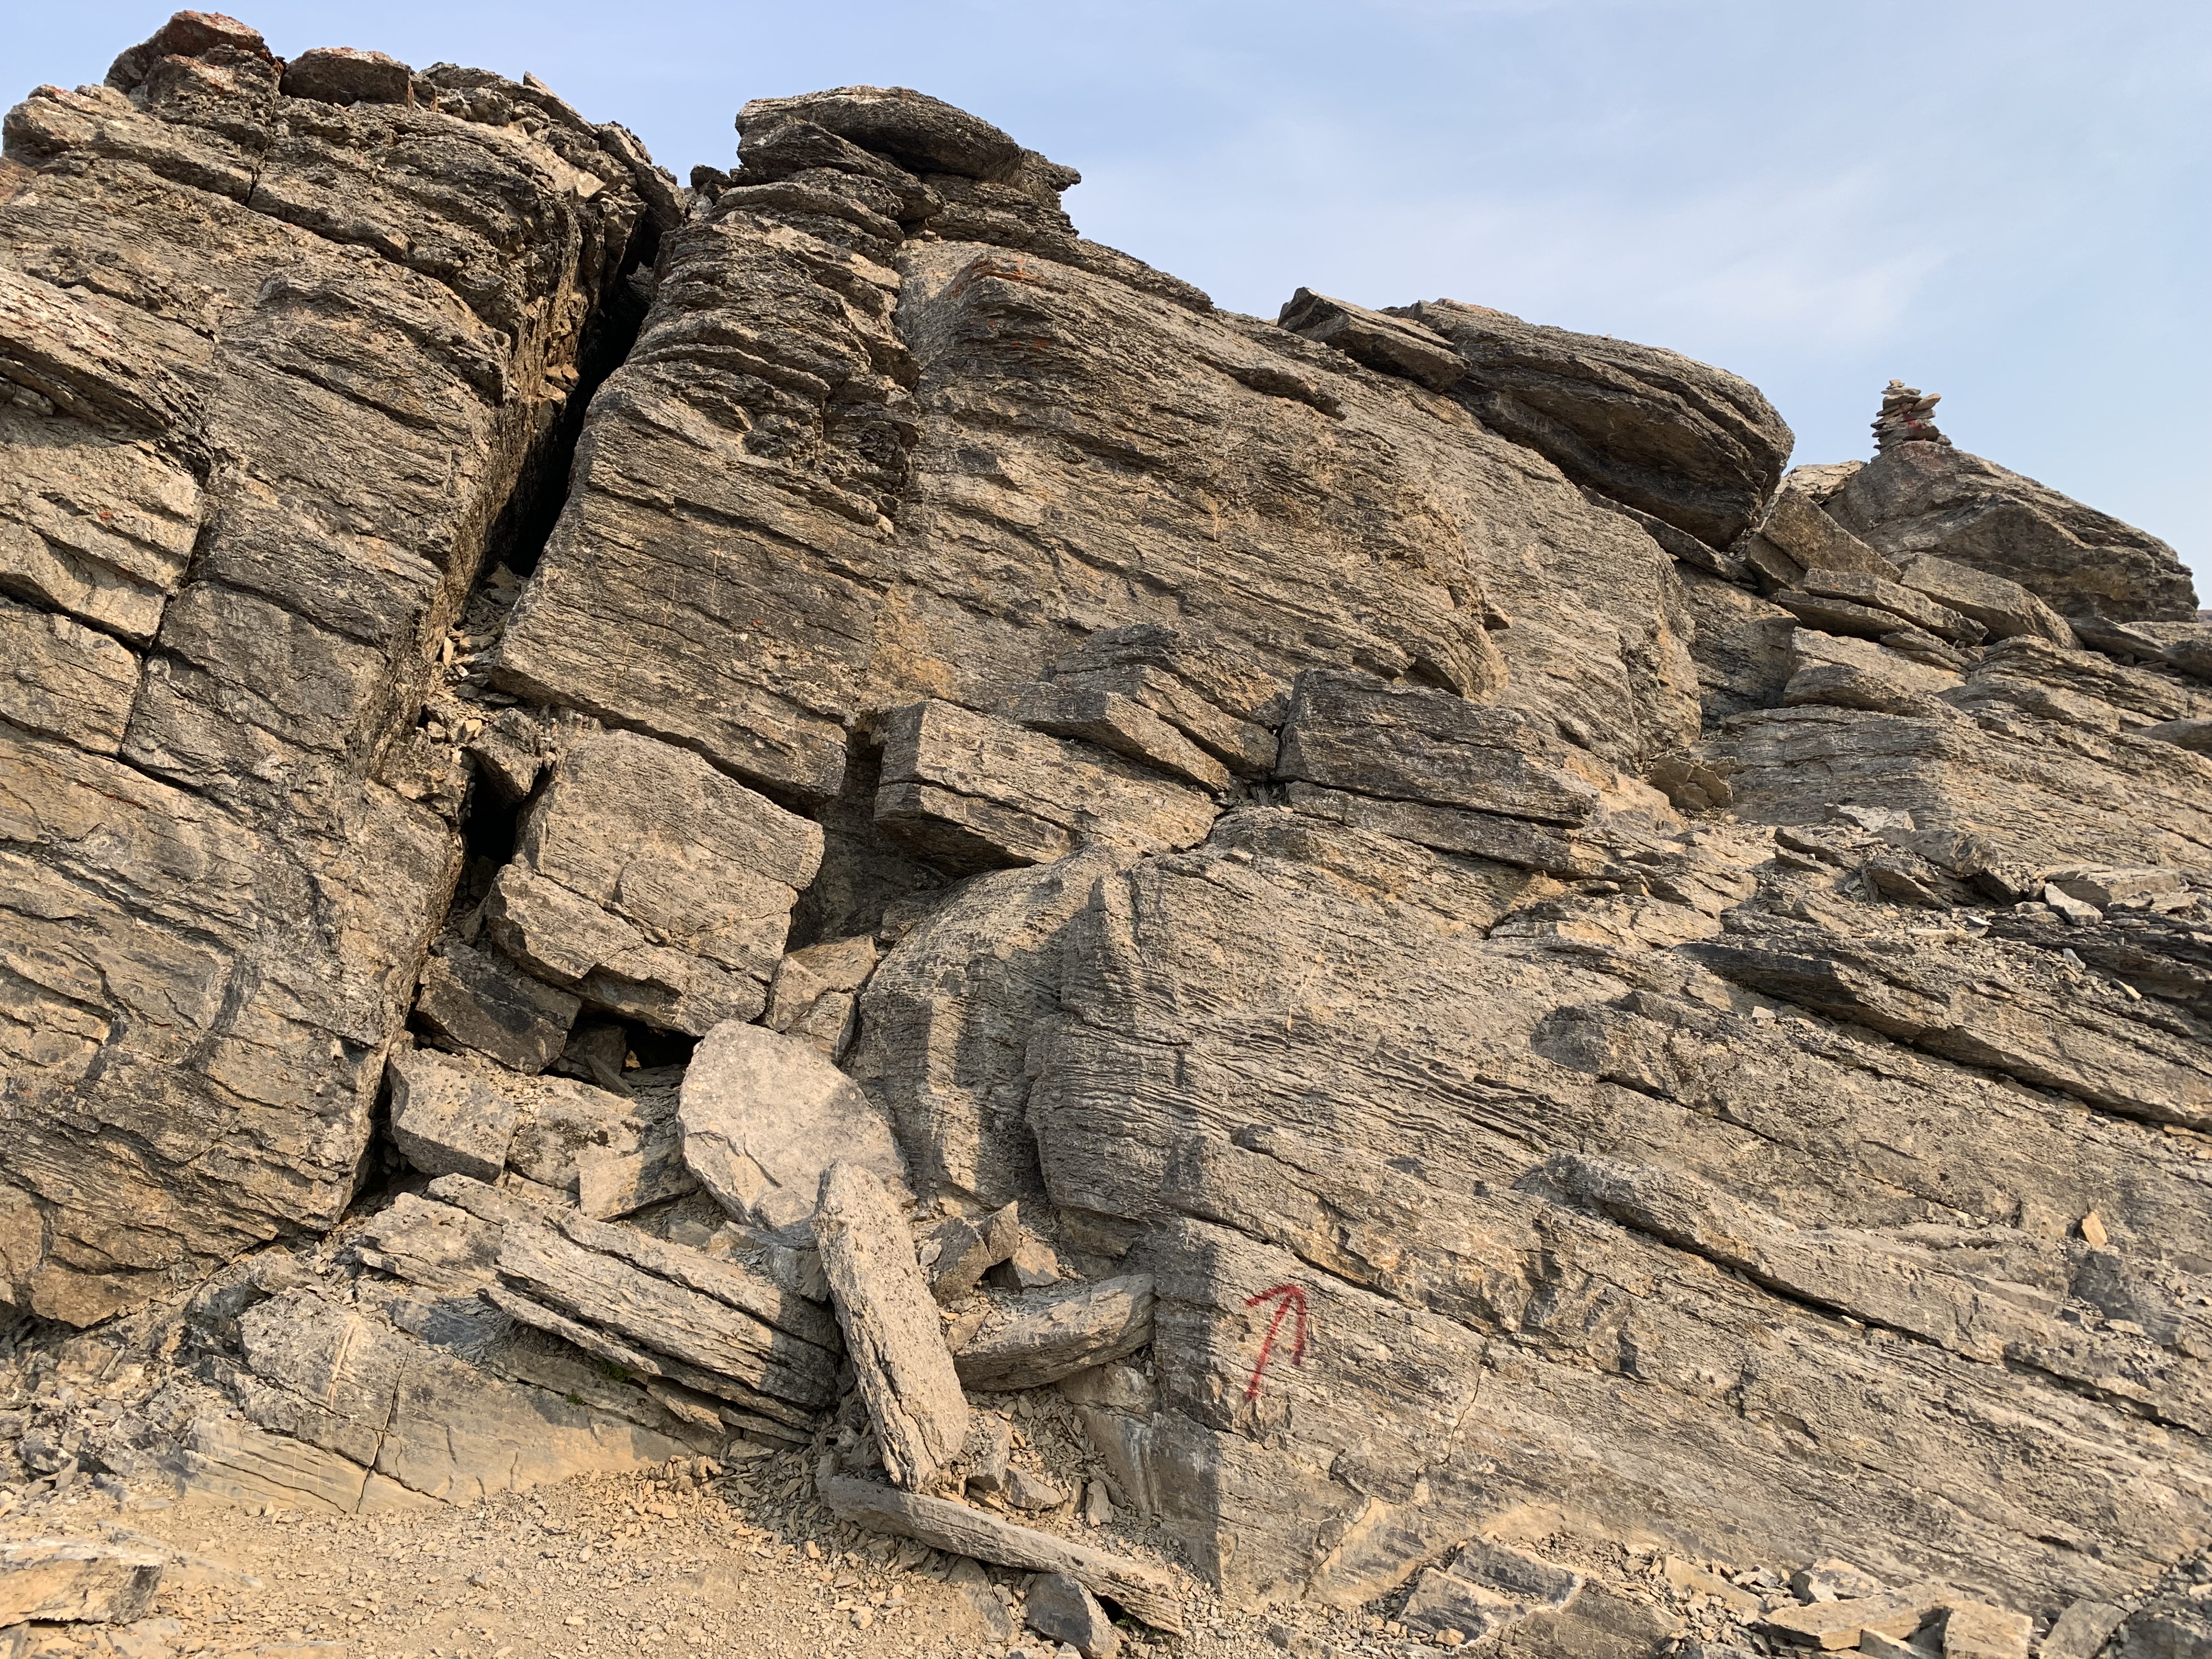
(663,1564)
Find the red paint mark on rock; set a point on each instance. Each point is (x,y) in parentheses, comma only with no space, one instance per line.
(1285,1297)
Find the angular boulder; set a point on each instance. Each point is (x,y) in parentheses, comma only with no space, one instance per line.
(765,1115)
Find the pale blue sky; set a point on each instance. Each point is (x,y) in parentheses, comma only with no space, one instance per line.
(2005,202)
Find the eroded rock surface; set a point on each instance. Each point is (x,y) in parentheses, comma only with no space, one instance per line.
(1373,913)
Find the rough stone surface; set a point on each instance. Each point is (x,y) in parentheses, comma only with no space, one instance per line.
(906,1375)
(764,1116)
(1683,441)
(977,792)
(1059,1606)
(77,1581)
(1440,1038)
(371,313)
(1920,498)
(445,1120)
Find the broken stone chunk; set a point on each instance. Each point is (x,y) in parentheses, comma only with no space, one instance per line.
(346,75)
(1834,1624)
(1116,1387)
(507,755)
(1914,607)
(445,1118)
(77,1581)
(958,1252)
(2004,608)
(611,1183)
(1059,1606)
(956,1530)
(1833,1581)
(985,791)
(2081,1631)
(2105,886)
(1121,724)
(890,1326)
(1393,345)
(813,995)
(763,1116)
(1030,1340)
(1974,1630)
(1802,529)
(476,999)
(1027,1491)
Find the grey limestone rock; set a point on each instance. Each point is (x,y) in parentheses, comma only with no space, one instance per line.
(479,1000)
(978,792)
(1330,851)
(77,1581)
(890,1321)
(1058,1606)
(765,1116)
(1145,1590)
(1927,498)
(372,313)
(1686,442)
(445,1120)
(1044,1336)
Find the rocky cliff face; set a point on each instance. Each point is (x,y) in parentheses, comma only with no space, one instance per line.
(1602,992)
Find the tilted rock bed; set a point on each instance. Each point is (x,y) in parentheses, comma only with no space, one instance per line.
(1353,973)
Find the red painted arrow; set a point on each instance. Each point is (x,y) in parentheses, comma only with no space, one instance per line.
(1286,1297)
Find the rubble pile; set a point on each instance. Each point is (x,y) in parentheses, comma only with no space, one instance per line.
(1349,984)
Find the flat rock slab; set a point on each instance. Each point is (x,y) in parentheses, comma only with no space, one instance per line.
(1357,732)
(985,792)
(1832,1625)
(1676,438)
(653,884)
(890,1323)
(1036,1338)
(705,1332)
(1145,1590)
(78,1581)
(764,1114)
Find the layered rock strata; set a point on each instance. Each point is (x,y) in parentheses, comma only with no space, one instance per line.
(1472,975)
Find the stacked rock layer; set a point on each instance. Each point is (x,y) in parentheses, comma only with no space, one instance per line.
(846,775)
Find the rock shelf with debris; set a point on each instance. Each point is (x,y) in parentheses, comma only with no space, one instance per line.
(797,916)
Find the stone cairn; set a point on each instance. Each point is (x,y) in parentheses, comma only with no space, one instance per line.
(1905,417)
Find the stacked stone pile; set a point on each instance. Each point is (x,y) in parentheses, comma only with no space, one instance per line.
(813,819)
(1907,417)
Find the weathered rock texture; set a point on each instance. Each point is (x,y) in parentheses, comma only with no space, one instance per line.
(277,353)
(1474,976)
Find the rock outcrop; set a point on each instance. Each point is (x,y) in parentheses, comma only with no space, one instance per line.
(785,812)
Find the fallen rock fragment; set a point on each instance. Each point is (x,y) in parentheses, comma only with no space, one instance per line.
(1031,1341)
(764,1115)
(2081,1631)
(1974,1630)
(1061,1608)
(1834,1624)
(957,1252)
(1145,1590)
(1392,345)
(812,997)
(77,1581)
(1357,732)
(983,792)
(1121,724)
(1834,1581)
(446,1119)
(890,1325)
